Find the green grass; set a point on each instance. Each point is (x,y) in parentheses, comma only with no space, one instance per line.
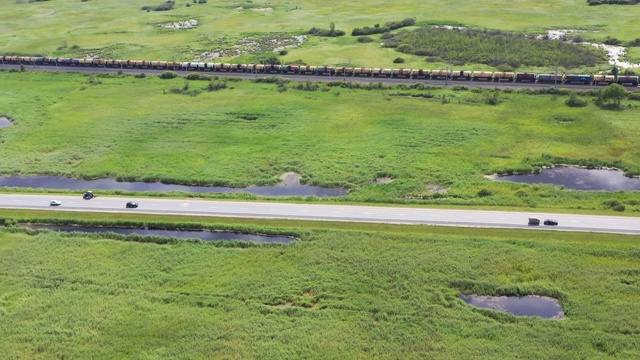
(344,291)
(121,30)
(135,129)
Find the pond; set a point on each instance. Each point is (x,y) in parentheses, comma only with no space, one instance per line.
(531,305)
(202,235)
(578,179)
(5,122)
(59,182)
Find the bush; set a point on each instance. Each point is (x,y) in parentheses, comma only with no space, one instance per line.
(365,39)
(611,41)
(635,95)
(283,52)
(141,76)
(635,42)
(217,85)
(197,76)
(162,7)
(332,32)
(398,60)
(484,193)
(574,101)
(168,75)
(377,29)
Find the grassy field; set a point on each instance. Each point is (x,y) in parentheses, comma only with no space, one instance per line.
(130,128)
(119,29)
(343,291)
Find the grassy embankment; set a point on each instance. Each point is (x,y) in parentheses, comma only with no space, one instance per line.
(122,30)
(135,129)
(343,291)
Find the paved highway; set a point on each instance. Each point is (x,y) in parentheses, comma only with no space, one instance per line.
(393,215)
(388,81)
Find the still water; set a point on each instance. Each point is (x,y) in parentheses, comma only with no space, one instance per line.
(578,179)
(202,235)
(544,307)
(59,182)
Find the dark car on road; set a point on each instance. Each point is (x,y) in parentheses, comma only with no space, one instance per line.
(550,222)
(132,204)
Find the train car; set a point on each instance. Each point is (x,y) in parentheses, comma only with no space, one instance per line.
(99,62)
(420,74)
(159,64)
(243,68)
(173,65)
(548,79)
(129,63)
(482,75)
(307,70)
(401,73)
(577,79)
(290,69)
(441,74)
(236,67)
(362,72)
(272,69)
(504,76)
(85,62)
(461,75)
(326,70)
(526,77)
(603,79)
(627,80)
(344,71)
(113,63)
(143,64)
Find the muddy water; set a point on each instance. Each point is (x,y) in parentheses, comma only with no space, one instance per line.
(543,307)
(5,122)
(290,188)
(202,235)
(578,179)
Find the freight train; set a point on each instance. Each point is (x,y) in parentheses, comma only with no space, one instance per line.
(460,75)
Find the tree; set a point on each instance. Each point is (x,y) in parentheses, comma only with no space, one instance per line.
(614,94)
(614,71)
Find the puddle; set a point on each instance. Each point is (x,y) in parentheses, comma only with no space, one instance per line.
(292,188)
(531,305)
(5,122)
(202,235)
(577,179)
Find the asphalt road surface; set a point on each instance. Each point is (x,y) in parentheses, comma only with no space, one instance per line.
(325,78)
(353,213)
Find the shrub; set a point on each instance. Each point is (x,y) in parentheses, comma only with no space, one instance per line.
(168,75)
(484,193)
(635,42)
(574,101)
(217,85)
(635,95)
(398,60)
(365,39)
(611,41)
(377,29)
(332,32)
(197,76)
(141,76)
(162,7)
(283,52)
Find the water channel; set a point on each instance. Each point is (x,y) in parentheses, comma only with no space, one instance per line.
(531,305)
(578,179)
(178,234)
(59,182)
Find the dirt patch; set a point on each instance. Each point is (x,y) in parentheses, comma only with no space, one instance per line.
(262,9)
(290,179)
(284,306)
(383,180)
(185,24)
(253,45)
(434,188)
